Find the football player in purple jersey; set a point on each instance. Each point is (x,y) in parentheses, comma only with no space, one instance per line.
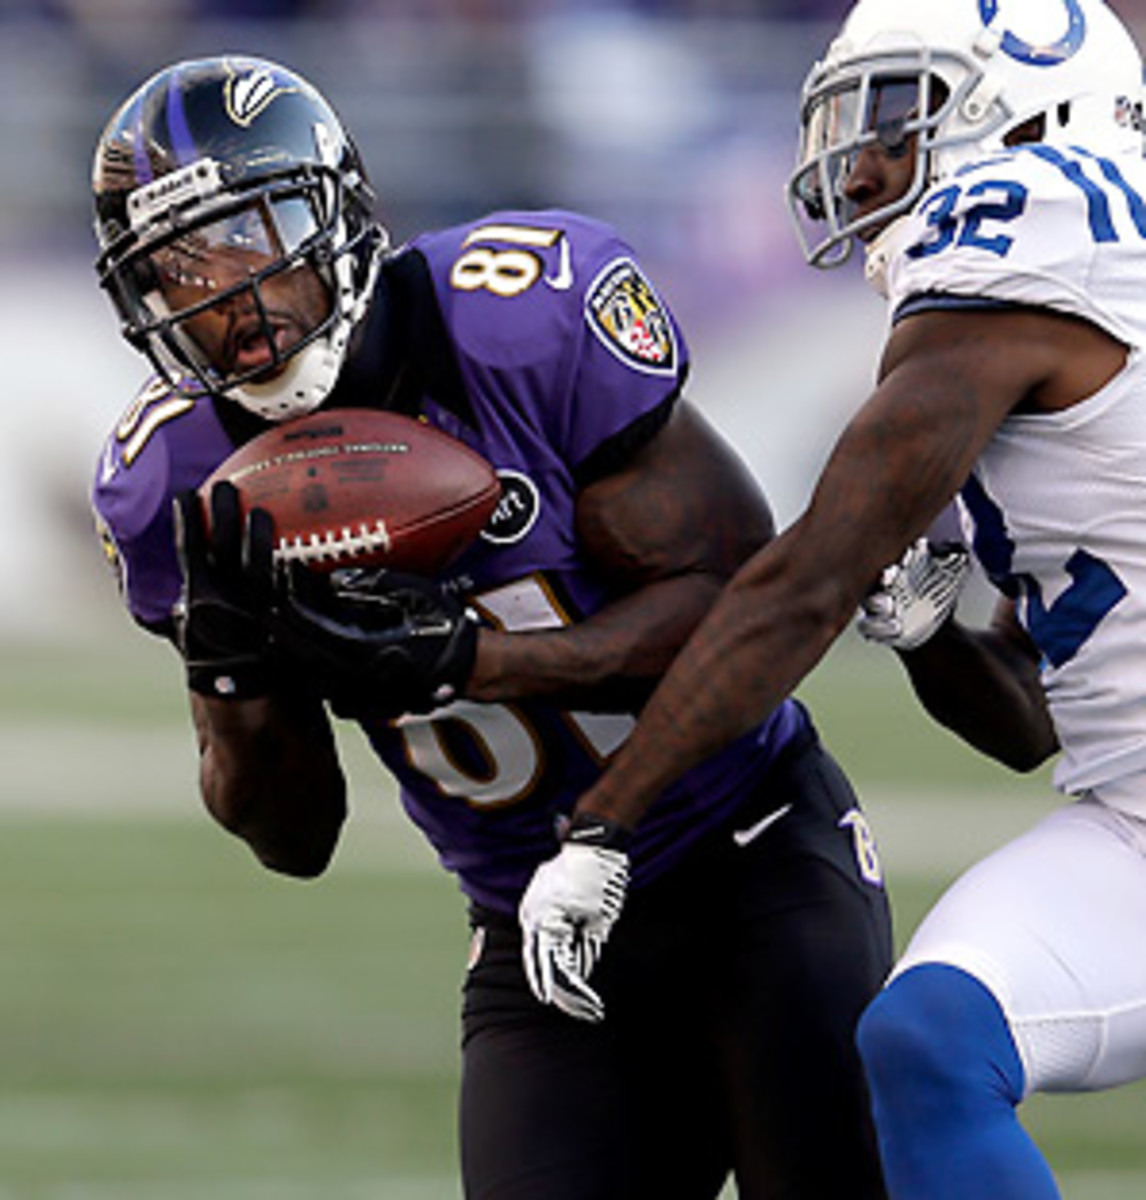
(240,251)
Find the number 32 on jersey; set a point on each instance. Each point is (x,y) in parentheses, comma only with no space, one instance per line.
(978,214)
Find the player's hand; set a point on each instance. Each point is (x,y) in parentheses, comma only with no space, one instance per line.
(221,615)
(375,642)
(567,913)
(915,596)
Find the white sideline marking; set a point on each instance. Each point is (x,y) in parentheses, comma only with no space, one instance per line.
(59,770)
(78,768)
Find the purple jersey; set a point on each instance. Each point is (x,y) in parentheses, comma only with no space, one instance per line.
(555,359)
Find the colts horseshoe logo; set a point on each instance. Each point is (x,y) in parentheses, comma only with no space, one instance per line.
(1042,56)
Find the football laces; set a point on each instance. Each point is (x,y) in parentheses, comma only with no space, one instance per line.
(334,545)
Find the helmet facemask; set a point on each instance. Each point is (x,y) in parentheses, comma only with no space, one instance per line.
(986,75)
(899,101)
(234,217)
(196,247)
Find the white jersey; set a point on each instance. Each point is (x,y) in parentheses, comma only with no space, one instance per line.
(1058,500)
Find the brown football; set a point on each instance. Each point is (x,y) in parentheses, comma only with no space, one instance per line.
(360,487)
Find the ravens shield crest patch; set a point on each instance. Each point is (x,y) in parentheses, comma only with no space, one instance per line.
(628,317)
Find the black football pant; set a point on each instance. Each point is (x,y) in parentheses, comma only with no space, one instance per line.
(732,988)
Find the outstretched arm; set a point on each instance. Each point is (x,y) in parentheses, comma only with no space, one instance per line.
(948,381)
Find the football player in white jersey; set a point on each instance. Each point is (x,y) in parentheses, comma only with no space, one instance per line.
(987,156)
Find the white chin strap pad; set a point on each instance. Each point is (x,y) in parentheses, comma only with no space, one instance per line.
(879,252)
(303,385)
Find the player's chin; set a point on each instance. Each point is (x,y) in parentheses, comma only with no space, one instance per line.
(871,233)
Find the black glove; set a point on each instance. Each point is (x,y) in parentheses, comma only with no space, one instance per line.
(373,642)
(221,618)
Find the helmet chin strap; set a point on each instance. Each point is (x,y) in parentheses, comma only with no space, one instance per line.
(312,372)
(303,385)
(878,254)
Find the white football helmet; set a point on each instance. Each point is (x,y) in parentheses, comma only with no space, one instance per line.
(946,81)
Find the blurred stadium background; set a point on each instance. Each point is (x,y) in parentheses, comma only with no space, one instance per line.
(174,1023)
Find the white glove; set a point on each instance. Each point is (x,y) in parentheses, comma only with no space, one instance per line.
(570,907)
(915,595)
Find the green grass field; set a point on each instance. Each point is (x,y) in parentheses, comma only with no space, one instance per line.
(177,1024)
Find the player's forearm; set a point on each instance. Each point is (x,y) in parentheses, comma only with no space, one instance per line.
(755,645)
(982,688)
(603,661)
(269,774)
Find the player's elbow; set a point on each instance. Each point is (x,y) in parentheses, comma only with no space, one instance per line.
(1022,742)
(295,839)
(305,861)
(299,848)
(1026,754)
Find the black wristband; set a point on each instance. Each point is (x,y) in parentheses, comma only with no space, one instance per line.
(589,829)
(229,681)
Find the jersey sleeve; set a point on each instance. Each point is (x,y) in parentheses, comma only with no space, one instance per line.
(552,313)
(1036,227)
(164,443)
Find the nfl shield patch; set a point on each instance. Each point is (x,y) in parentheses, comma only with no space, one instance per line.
(627,316)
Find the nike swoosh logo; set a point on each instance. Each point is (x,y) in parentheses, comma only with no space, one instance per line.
(107,466)
(563,280)
(743,836)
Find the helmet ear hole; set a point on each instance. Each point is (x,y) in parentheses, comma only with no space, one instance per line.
(1032,130)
